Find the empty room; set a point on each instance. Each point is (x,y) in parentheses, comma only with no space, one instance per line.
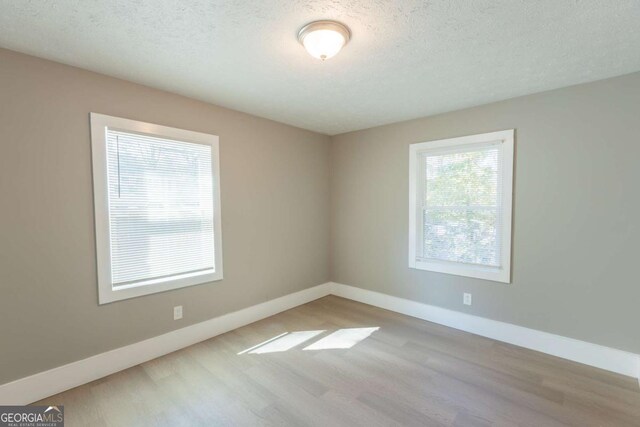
(319,213)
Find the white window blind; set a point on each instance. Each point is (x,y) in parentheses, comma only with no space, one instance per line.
(157,207)
(460,203)
(160,207)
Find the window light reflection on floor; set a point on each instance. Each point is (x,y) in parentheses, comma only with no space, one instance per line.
(285,342)
(342,338)
(263,343)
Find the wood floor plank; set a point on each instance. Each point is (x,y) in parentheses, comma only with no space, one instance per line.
(407,372)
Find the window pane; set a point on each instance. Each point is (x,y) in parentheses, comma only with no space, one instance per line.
(461,211)
(461,235)
(160,207)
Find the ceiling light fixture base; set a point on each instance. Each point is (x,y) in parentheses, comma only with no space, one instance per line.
(324,39)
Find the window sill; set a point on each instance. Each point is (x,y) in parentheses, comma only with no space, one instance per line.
(496,274)
(148,287)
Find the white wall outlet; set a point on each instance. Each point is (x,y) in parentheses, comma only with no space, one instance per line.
(177,312)
(466,299)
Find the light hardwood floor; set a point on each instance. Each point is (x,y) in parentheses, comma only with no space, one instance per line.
(407,372)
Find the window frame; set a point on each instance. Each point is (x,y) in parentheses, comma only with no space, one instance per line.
(502,274)
(100,123)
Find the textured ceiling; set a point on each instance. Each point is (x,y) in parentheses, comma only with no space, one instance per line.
(407,58)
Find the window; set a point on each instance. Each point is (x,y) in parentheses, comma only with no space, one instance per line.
(157,207)
(460,205)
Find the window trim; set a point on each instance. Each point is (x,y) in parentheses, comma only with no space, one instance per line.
(497,274)
(106,292)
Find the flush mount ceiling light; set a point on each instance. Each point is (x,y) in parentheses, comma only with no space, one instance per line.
(324,39)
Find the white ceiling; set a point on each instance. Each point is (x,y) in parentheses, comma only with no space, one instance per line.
(407,58)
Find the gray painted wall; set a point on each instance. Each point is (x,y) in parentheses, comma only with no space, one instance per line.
(275,214)
(576,212)
(283,189)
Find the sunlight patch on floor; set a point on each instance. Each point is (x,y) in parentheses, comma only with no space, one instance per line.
(285,342)
(263,343)
(342,338)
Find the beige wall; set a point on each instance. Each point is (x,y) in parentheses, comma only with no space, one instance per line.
(576,212)
(275,213)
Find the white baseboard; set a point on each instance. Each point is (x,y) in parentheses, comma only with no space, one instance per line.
(47,383)
(602,357)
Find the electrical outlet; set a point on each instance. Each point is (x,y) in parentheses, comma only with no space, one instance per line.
(466,299)
(177,312)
